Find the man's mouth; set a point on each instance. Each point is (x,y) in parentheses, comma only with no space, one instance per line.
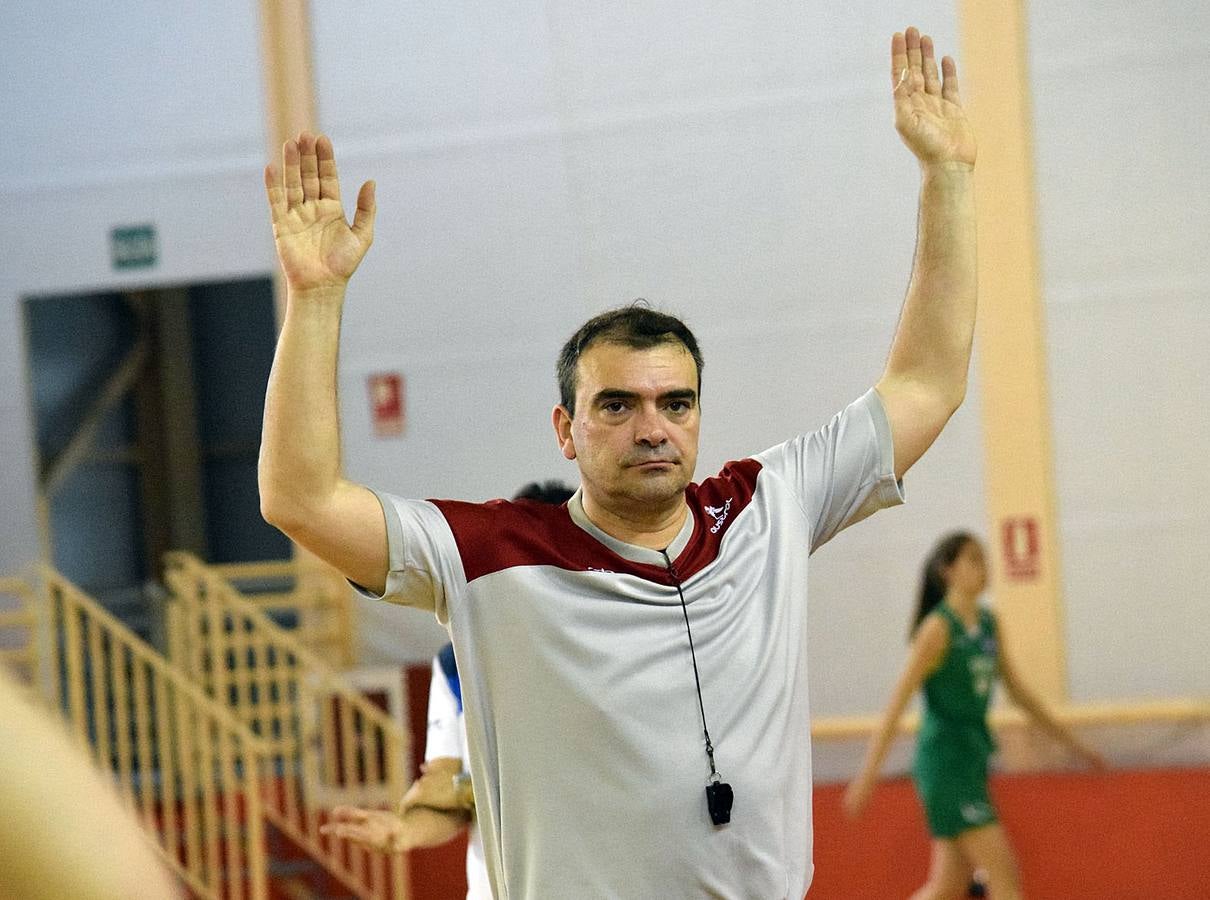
(652,463)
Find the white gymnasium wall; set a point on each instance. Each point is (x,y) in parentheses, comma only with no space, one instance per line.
(120,115)
(1123,141)
(734,162)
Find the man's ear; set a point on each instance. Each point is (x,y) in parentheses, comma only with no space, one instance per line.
(560,418)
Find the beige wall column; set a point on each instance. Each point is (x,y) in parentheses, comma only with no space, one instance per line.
(1012,351)
(289,84)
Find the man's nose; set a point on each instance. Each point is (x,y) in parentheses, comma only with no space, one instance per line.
(649,427)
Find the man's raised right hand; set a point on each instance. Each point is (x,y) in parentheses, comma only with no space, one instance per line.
(318,249)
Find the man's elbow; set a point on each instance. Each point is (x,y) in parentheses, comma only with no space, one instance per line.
(279,508)
(273,513)
(270,510)
(942,401)
(927,401)
(944,396)
(957,396)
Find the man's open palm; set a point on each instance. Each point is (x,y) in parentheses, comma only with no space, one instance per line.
(318,249)
(928,110)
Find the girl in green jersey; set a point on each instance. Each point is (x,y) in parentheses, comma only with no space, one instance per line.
(956,655)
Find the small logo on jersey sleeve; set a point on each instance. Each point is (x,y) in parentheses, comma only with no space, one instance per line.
(719,514)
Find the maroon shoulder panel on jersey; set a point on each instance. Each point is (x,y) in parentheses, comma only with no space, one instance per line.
(501,534)
(715,503)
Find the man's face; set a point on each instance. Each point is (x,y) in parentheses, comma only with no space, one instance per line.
(635,431)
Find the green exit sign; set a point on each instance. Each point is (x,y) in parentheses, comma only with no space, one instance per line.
(132,246)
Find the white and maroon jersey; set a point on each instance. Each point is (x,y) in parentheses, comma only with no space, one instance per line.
(582,718)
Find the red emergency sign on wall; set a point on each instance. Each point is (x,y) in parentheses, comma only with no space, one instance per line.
(387,406)
(1021,544)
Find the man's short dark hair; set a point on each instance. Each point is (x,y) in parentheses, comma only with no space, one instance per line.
(637,326)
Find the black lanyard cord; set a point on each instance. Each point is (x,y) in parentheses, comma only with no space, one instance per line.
(693,655)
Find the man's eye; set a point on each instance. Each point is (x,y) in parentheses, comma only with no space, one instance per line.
(615,406)
(679,406)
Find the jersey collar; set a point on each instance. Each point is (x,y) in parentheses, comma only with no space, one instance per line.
(632,552)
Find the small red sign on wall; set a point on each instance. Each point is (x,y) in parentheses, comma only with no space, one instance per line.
(387,403)
(1021,544)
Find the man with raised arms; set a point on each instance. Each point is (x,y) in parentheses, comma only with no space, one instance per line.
(633,662)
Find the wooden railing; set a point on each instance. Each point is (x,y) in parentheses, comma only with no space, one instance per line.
(328,744)
(1129,734)
(20,637)
(184,765)
(1178,711)
(313,598)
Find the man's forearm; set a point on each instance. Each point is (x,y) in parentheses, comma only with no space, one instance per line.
(300,445)
(932,344)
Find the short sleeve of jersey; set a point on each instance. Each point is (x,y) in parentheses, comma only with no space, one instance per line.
(843,472)
(423,560)
(443,738)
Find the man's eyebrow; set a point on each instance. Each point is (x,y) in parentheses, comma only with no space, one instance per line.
(680,394)
(613,394)
(609,394)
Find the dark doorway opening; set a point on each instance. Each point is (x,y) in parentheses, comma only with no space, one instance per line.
(147,410)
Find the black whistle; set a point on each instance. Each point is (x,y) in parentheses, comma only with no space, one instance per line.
(719,797)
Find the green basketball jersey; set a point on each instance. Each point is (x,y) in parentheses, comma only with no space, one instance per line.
(959,690)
